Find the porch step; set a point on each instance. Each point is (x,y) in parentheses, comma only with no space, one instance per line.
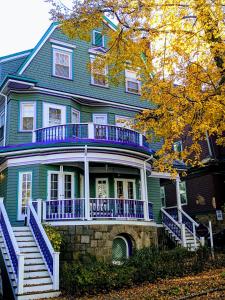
(38,295)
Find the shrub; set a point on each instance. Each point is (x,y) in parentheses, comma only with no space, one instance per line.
(86,275)
(54,237)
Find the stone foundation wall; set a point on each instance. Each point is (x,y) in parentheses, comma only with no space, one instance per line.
(97,239)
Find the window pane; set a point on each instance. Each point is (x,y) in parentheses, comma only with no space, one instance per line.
(132,86)
(27,116)
(54,187)
(68,186)
(120,190)
(55,116)
(98,39)
(130,190)
(62,63)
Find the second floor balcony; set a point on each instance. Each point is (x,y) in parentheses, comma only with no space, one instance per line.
(91,132)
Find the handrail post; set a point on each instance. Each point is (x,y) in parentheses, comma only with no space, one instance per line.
(56,270)
(33,136)
(44,210)
(140,139)
(183,235)
(39,208)
(91,133)
(20,273)
(194,234)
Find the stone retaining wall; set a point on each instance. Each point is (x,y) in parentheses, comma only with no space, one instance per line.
(97,239)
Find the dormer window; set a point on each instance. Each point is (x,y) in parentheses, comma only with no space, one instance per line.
(99,71)
(98,39)
(133,84)
(62,62)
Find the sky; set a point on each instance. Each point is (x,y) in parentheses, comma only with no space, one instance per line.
(22,24)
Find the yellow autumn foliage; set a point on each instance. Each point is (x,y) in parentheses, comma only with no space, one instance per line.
(182,65)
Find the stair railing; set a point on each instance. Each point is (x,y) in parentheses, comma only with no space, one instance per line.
(15,256)
(173,225)
(190,224)
(51,257)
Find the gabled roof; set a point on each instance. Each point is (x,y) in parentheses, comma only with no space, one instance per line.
(49,31)
(15,56)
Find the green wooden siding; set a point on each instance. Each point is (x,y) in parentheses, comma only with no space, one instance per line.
(154,197)
(15,136)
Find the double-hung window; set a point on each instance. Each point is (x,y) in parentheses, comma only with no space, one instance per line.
(99,71)
(133,84)
(98,38)
(75,116)
(27,112)
(183,192)
(62,62)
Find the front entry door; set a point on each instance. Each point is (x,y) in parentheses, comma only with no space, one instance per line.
(60,185)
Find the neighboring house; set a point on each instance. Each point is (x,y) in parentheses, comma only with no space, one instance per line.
(68,147)
(203,189)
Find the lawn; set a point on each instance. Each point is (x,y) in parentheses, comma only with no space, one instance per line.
(206,285)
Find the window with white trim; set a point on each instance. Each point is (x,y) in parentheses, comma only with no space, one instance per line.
(98,38)
(62,62)
(163,196)
(27,113)
(122,121)
(133,84)
(25,192)
(75,116)
(120,250)
(99,71)
(177,146)
(183,192)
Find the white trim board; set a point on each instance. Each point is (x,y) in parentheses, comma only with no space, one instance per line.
(104,222)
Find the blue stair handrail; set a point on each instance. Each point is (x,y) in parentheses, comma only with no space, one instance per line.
(14,254)
(51,257)
(171,224)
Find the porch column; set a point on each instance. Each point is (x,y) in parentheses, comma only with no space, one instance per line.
(144,192)
(86,189)
(178,199)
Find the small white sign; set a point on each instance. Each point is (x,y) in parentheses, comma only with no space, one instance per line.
(219,215)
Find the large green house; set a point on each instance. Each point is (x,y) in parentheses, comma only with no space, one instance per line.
(69,157)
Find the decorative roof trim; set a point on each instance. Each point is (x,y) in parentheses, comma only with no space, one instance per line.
(36,49)
(15,55)
(60,43)
(55,92)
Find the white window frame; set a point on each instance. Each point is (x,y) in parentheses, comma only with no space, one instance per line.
(126,119)
(127,249)
(106,71)
(127,78)
(183,182)
(22,104)
(46,106)
(107,186)
(73,110)
(93,38)
(61,186)
(181,146)
(100,115)
(163,203)
(20,216)
(125,187)
(65,51)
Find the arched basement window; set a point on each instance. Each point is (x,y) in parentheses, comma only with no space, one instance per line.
(120,250)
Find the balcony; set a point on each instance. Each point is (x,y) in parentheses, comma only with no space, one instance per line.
(85,132)
(100,208)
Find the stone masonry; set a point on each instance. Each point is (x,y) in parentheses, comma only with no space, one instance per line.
(97,239)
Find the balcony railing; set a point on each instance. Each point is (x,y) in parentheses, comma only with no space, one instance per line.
(100,208)
(91,131)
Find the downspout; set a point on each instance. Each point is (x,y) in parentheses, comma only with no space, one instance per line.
(6,100)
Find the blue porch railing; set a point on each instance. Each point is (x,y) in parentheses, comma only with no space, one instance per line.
(100,208)
(150,211)
(91,131)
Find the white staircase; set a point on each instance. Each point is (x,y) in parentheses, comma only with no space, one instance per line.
(29,274)
(182,232)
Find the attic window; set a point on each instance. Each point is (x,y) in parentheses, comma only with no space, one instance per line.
(98,38)
(62,62)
